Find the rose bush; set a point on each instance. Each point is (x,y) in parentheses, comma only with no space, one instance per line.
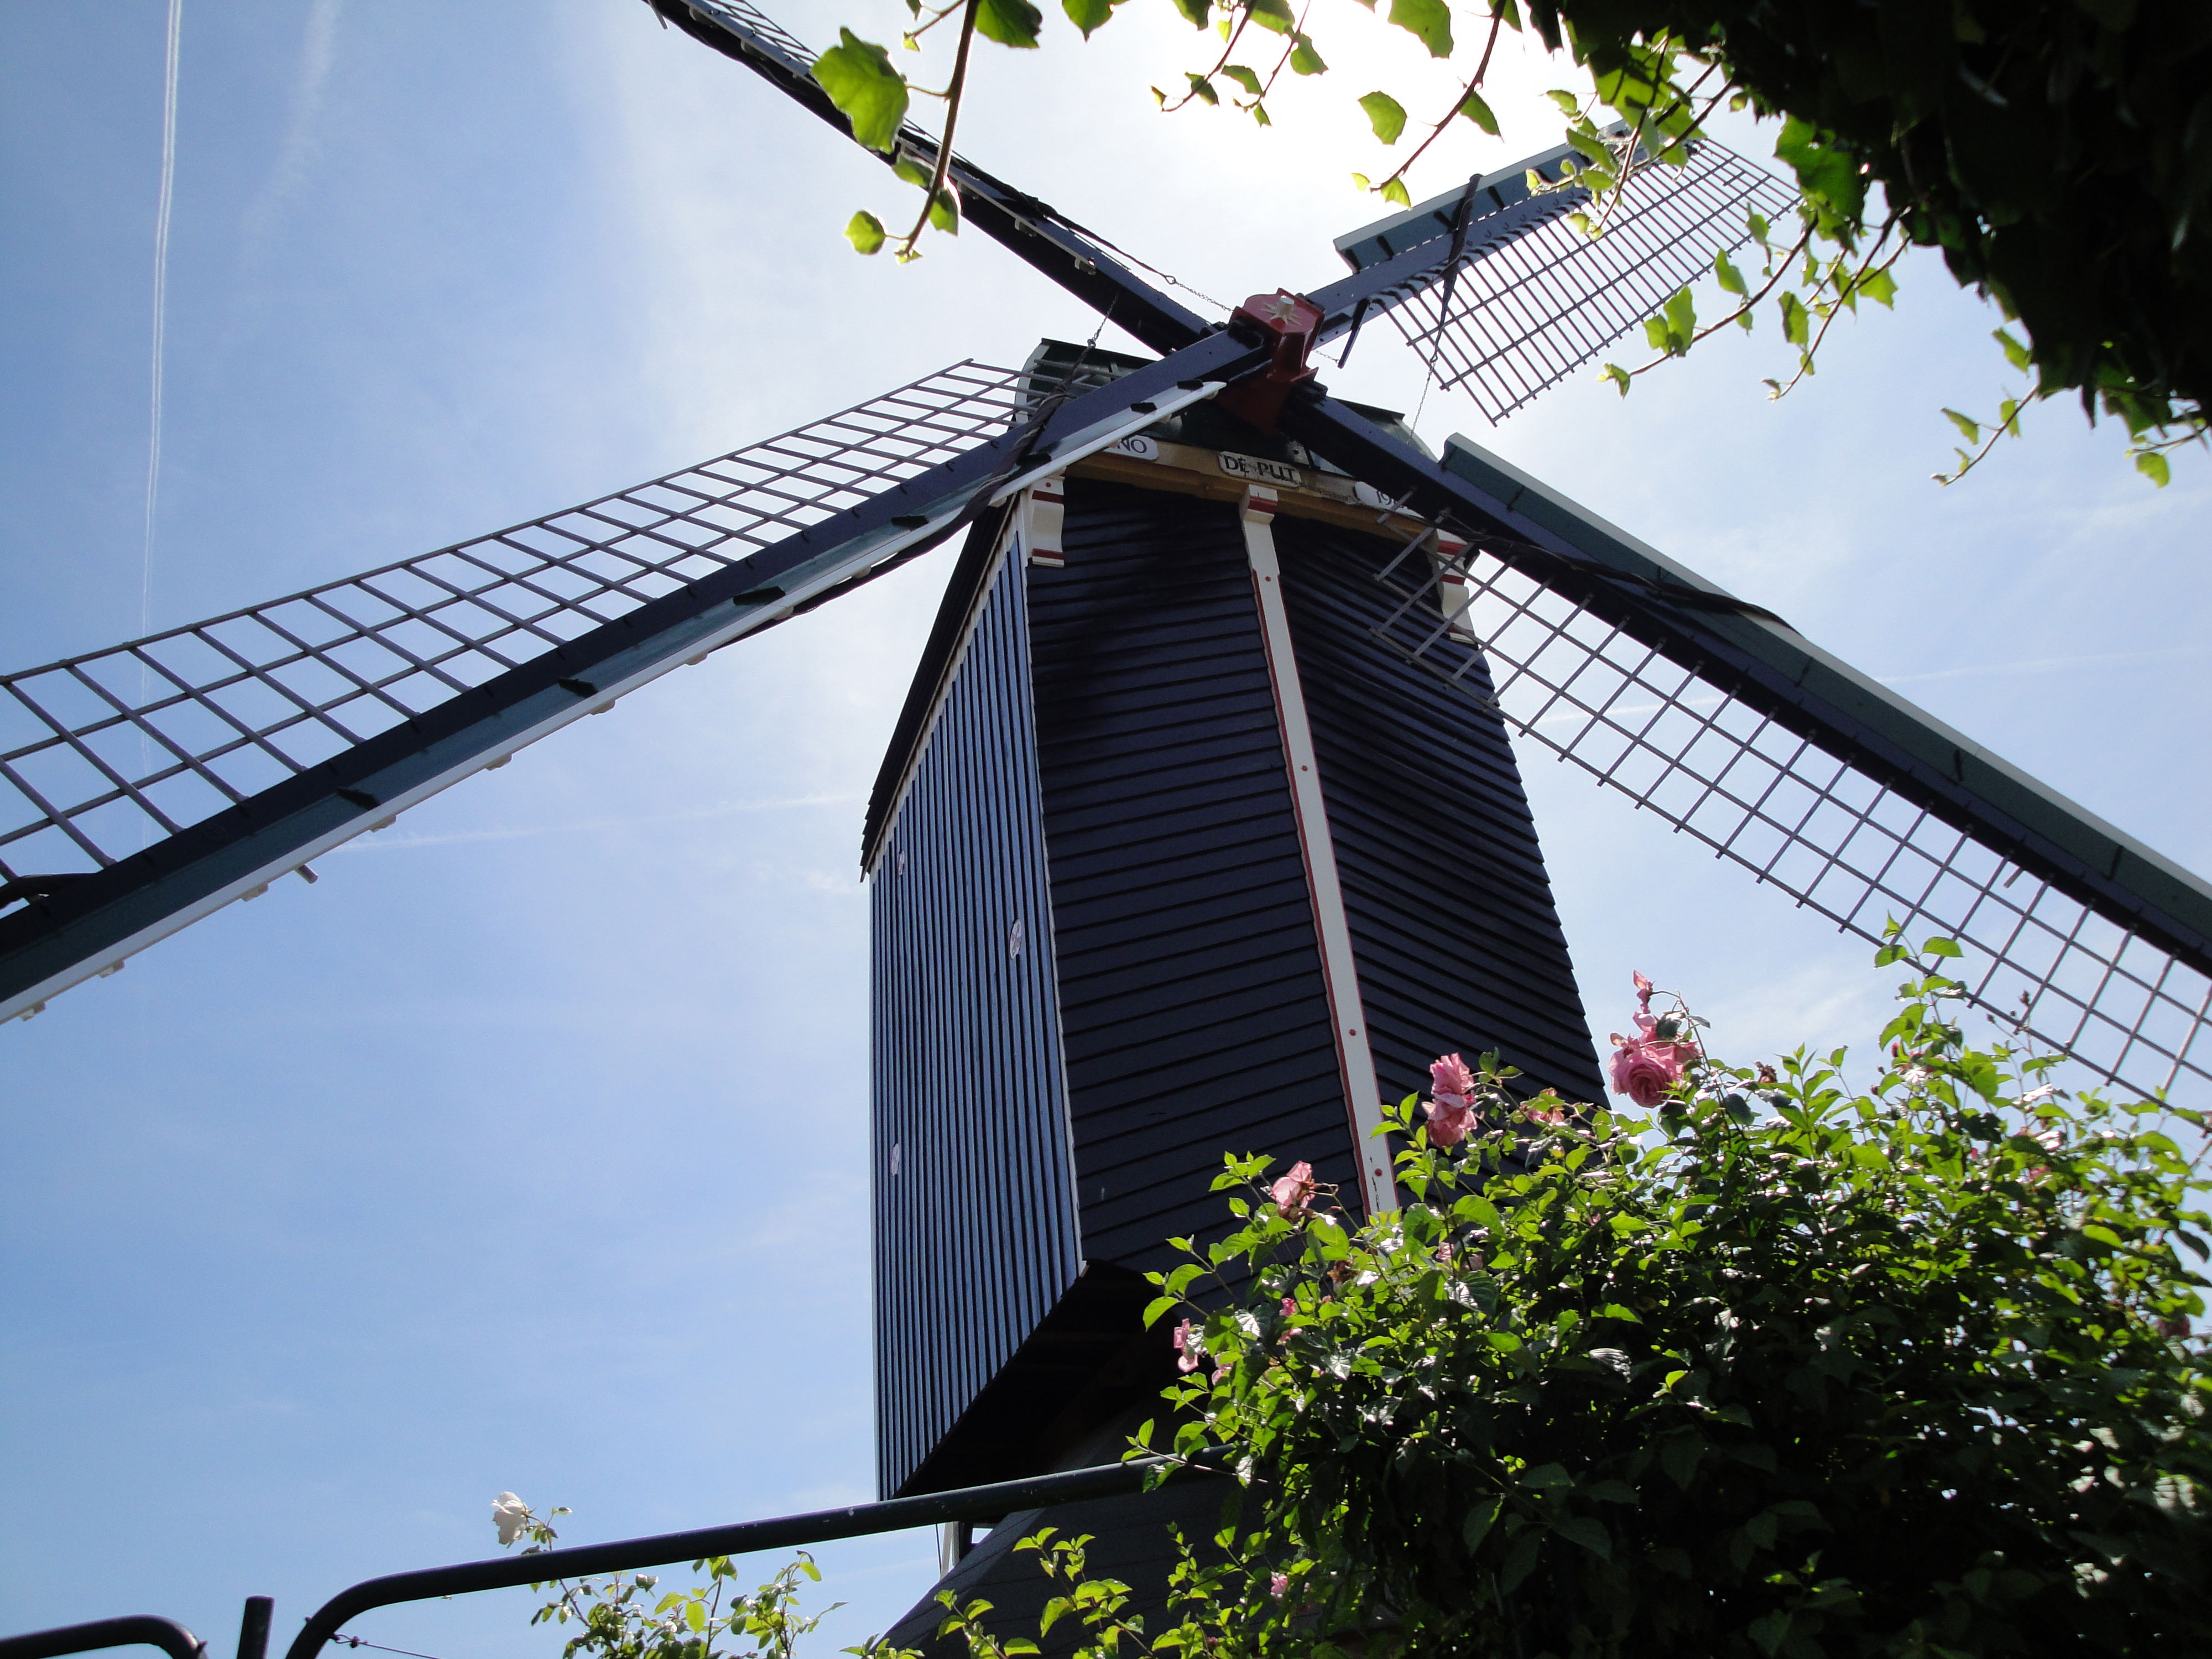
(1783,1367)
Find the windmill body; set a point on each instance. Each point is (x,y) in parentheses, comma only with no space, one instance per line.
(1169,858)
(1202,829)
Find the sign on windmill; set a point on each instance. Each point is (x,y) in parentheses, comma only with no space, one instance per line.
(1168,854)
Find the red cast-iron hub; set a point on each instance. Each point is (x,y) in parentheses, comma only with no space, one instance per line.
(1288,322)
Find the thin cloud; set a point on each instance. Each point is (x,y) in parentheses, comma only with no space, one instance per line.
(296,155)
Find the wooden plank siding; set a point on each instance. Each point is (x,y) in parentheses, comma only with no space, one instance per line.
(975,1237)
(1191,998)
(1453,922)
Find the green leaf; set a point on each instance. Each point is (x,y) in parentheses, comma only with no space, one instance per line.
(1943,947)
(1879,286)
(1826,172)
(1520,1561)
(1478,112)
(1087,15)
(1617,375)
(1796,326)
(1679,1456)
(1478,1523)
(1010,22)
(1393,189)
(1730,277)
(2015,353)
(1196,11)
(1589,1533)
(1428,20)
(1273,15)
(1201,88)
(1569,103)
(866,233)
(1966,425)
(1682,320)
(1304,60)
(1243,76)
(1385,114)
(2152,465)
(867,91)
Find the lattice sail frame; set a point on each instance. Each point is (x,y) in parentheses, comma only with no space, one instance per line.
(1528,313)
(102,753)
(1799,819)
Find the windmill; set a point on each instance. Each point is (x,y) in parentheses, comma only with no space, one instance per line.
(283,730)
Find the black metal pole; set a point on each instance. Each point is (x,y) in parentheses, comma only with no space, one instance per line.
(253,1627)
(990,1502)
(166,1634)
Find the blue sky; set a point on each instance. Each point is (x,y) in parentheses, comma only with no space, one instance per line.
(523,1151)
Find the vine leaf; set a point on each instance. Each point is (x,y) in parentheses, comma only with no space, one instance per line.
(866,233)
(1385,114)
(1478,112)
(1009,23)
(1087,15)
(1304,60)
(1428,19)
(867,91)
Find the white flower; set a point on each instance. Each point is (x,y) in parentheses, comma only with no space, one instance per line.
(1916,1075)
(2034,1095)
(510,1515)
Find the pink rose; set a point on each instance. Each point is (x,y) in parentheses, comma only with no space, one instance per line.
(1186,1348)
(1645,1070)
(1450,1116)
(1450,1076)
(1293,1191)
(1279,1585)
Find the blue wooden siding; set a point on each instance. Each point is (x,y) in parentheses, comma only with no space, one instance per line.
(1191,998)
(1453,924)
(974,1236)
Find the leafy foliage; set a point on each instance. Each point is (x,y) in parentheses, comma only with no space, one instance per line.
(617,1618)
(1786,1368)
(2058,152)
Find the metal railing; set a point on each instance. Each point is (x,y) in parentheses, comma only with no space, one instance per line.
(992,1503)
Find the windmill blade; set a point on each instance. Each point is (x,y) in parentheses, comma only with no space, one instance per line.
(1509,317)
(1079,260)
(1724,721)
(147,785)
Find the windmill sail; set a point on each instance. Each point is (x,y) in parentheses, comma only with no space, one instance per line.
(2085,941)
(1509,319)
(145,786)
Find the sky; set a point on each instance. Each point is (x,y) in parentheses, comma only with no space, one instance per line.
(524,1150)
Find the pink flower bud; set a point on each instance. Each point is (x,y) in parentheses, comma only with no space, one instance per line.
(1293,1191)
(1187,1347)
